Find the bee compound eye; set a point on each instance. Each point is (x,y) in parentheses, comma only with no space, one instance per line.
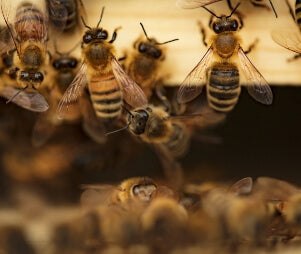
(87,38)
(73,63)
(39,77)
(142,47)
(56,65)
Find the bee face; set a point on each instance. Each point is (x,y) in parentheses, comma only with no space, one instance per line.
(31,77)
(149,50)
(65,63)
(95,35)
(225,25)
(144,192)
(138,120)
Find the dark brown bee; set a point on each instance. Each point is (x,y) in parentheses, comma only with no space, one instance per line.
(144,63)
(192,4)
(29,36)
(64,14)
(222,77)
(107,82)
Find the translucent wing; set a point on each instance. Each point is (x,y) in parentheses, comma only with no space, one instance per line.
(30,101)
(193,84)
(192,4)
(132,93)
(242,187)
(288,39)
(95,195)
(257,86)
(74,90)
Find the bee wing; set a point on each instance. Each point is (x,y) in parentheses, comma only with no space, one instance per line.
(192,4)
(95,195)
(30,101)
(257,86)
(288,39)
(193,84)
(74,90)
(242,187)
(132,93)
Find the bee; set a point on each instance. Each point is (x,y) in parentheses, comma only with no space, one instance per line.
(135,188)
(64,14)
(192,4)
(145,62)
(107,82)
(222,76)
(289,38)
(29,36)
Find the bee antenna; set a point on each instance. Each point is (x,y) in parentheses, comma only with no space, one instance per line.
(181,117)
(85,25)
(102,11)
(74,47)
(121,129)
(161,43)
(273,8)
(211,12)
(145,32)
(55,48)
(129,112)
(233,10)
(16,94)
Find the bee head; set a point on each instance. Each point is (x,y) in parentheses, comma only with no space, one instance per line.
(225,25)
(138,120)
(95,34)
(65,63)
(144,189)
(149,49)
(30,77)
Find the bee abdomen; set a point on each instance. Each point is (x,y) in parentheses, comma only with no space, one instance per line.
(298,13)
(178,141)
(223,88)
(106,97)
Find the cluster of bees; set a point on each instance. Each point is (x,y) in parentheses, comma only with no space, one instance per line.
(110,94)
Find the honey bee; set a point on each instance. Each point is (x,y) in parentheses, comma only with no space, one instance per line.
(29,36)
(192,4)
(145,62)
(222,76)
(136,188)
(289,38)
(64,14)
(107,82)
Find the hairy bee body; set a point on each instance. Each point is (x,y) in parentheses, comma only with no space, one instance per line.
(223,88)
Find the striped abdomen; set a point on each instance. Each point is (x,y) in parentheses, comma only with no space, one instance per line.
(298,13)
(30,24)
(63,14)
(178,141)
(106,96)
(223,86)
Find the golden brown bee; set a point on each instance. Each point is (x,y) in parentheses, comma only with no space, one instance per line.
(64,14)
(145,62)
(222,77)
(192,4)
(107,82)
(29,36)
(136,188)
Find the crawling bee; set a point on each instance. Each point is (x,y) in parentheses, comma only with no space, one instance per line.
(191,4)
(145,62)
(107,82)
(222,76)
(29,36)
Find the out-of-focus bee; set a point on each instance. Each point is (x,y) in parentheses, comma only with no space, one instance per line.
(290,38)
(107,82)
(65,67)
(29,36)
(144,63)
(136,188)
(64,15)
(192,4)
(221,77)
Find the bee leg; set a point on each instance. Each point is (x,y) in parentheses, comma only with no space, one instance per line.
(114,36)
(122,58)
(251,47)
(295,57)
(262,5)
(163,98)
(203,32)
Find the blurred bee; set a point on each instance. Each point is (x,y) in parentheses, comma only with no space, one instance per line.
(222,76)
(64,14)
(192,4)
(29,36)
(135,188)
(65,68)
(107,82)
(290,38)
(145,62)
